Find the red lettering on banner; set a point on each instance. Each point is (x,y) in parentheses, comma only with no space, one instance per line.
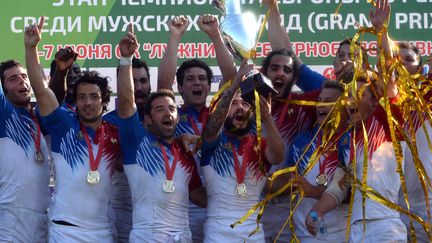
(195,50)
(265,48)
(299,47)
(81,49)
(311,49)
(209,51)
(49,50)
(106,51)
(93,51)
(184,50)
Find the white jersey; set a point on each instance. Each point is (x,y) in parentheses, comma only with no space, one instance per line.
(224,206)
(76,201)
(155,210)
(382,168)
(24,193)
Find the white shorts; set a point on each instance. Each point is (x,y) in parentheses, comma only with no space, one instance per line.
(74,234)
(220,231)
(23,226)
(379,230)
(148,236)
(274,217)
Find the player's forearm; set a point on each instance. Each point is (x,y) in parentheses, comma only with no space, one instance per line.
(218,117)
(224,59)
(168,65)
(125,91)
(33,69)
(58,85)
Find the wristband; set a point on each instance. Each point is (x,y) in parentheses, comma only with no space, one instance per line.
(125,61)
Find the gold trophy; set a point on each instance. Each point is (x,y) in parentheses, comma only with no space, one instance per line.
(240,32)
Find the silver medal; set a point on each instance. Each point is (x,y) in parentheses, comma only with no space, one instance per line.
(93,177)
(321,180)
(168,186)
(39,156)
(241,190)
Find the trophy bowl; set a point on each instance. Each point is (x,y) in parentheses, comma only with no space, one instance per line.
(240,31)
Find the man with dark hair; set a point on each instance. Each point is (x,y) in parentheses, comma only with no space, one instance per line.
(142,85)
(85,151)
(24,173)
(281,68)
(194,79)
(314,183)
(153,158)
(235,163)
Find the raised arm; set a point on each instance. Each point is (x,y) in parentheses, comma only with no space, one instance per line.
(44,95)
(379,17)
(277,34)
(168,65)
(274,151)
(209,24)
(217,118)
(64,60)
(125,85)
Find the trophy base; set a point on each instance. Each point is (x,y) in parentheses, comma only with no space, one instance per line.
(258,82)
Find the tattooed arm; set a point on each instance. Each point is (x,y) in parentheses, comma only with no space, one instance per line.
(217,118)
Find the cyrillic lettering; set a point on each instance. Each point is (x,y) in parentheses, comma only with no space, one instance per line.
(72,24)
(184,50)
(14,24)
(97,24)
(114,23)
(146,27)
(294,23)
(105,51)
(162,23)
(157,50)
(208,50)
(58,26)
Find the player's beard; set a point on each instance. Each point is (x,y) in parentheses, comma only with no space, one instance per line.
(231,128)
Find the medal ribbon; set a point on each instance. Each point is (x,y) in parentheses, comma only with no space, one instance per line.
(36,137)
(203,115)
(321,164)
(169,170)
(240,172)
(94,163)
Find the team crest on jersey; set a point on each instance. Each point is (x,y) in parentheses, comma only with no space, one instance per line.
(79,135)
(154,144)
(184,118)
(290,112)
(226,146)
